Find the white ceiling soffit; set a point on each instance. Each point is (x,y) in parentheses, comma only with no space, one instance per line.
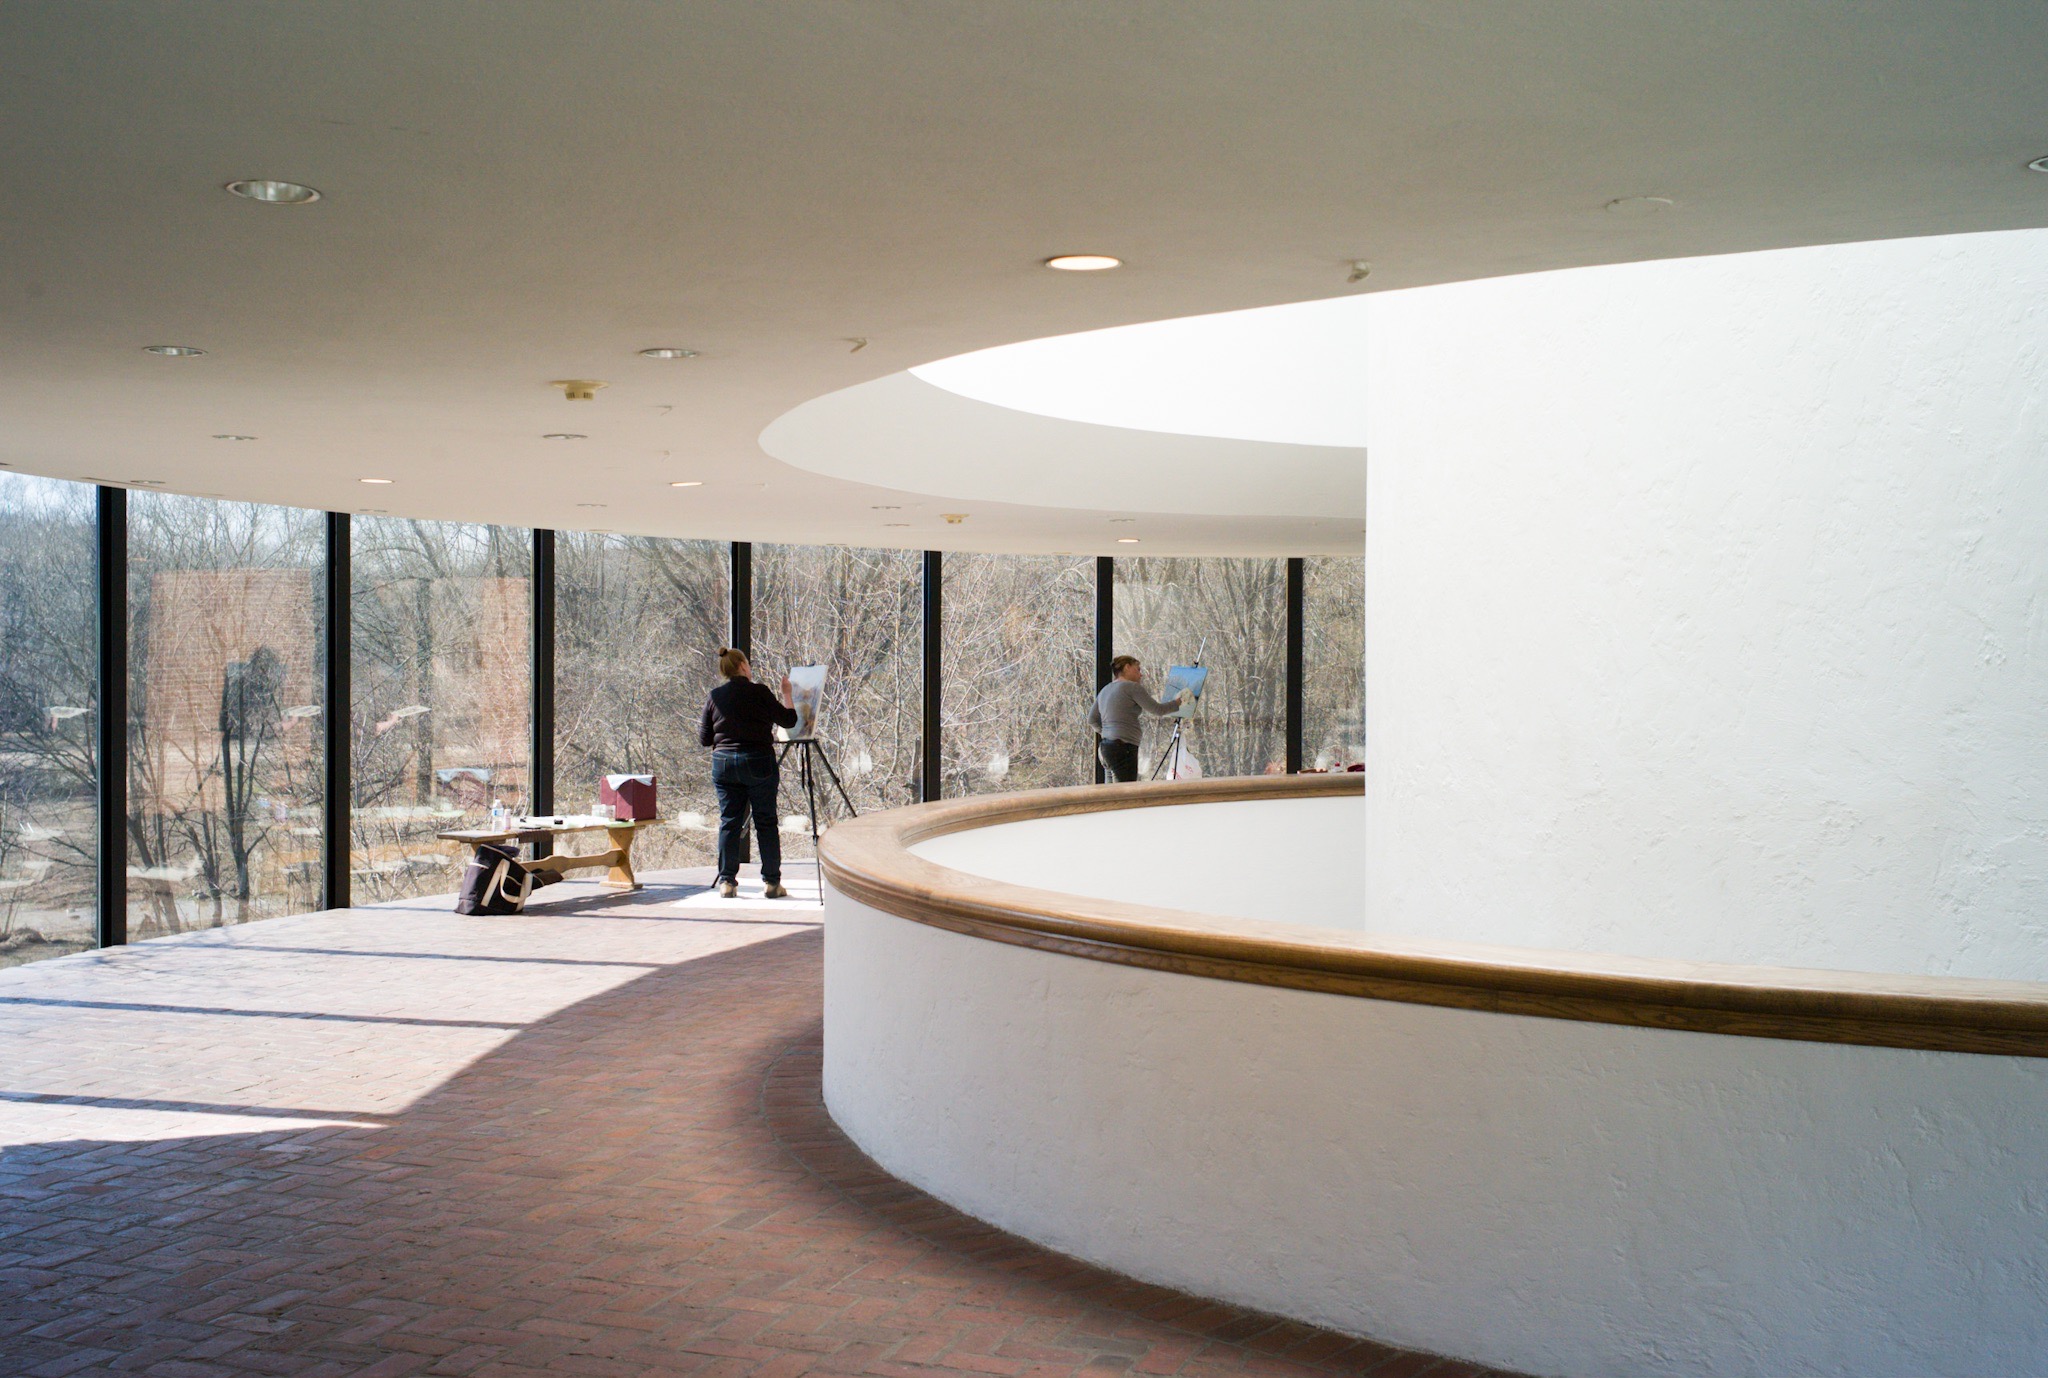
(530,190)
(906,433)
(1292,373)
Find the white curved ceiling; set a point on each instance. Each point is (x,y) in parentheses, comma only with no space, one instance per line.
(1291,374)
(528,190)
(906,433)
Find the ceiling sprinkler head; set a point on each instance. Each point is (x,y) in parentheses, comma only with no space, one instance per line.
(578,389)
(1360,270)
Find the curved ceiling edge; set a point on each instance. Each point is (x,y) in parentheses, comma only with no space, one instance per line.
(904,433)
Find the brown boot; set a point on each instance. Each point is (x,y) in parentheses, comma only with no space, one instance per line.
(774,891)
(728,889)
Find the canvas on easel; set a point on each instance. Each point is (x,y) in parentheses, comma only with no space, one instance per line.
(807,696)
(1193,678)
(1176,762)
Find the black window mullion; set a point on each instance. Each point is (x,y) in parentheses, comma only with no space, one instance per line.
(111,551)
(541,754)
(1105,629)
(932,781)
(741,630)
(337,821)
(1296,656)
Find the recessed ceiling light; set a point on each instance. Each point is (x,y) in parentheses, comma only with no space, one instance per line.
(234,437)
(273,193)
(174,351)
(564,435)
(1083,263)
(373,480)
(1127,540)
(147,482)
(1121,521)
(687,483)
(886,507)
(593,504)
(668,352)
(2039,164)
(954,518)
(895,523)
(372,511)
(1636,207)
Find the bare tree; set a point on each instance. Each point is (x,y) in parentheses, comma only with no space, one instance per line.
(440,665)
(1231,616)
(48,712)
(1017,671)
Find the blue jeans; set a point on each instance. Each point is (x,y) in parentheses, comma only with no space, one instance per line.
(746,782)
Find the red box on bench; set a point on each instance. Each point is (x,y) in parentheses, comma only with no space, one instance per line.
(631,795)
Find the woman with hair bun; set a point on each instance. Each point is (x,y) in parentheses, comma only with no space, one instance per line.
(739,722)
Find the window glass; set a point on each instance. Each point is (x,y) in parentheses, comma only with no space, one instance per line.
(1230,616)
(441,658)
(638,623)
(1333,662)
(859,614)
(49,706)
(1017,671)
(224,740)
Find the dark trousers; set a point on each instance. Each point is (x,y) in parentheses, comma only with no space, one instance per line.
(746,783)
(1119,759)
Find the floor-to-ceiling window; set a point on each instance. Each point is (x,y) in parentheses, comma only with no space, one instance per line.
(638,624)
(1229,615)
(1017,648)
(441,662)
(224,739)
(1333,662)
(49,657)
(224,763)
(857,613)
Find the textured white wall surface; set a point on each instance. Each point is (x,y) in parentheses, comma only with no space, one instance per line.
(1708,608)
(1561,1198)
(1285,860)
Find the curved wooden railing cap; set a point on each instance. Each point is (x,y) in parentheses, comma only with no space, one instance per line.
(868,859)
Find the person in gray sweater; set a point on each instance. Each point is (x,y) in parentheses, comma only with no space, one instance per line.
(1116,715)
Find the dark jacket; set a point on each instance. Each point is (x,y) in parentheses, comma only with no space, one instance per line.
(740,715)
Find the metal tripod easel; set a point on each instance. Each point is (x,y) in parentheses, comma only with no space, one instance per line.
(1171,752)
(811,756)
(1175,748)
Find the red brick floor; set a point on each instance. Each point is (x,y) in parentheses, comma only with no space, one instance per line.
(394,1141)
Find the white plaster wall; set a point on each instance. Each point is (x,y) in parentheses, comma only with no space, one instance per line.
(1706,603)
(1200,857)
(1556,1197)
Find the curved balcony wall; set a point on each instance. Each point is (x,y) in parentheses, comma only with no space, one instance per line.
(1552,1161)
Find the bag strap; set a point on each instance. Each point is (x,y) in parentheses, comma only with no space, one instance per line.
(495,887)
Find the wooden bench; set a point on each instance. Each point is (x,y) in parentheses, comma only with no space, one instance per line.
(618,858)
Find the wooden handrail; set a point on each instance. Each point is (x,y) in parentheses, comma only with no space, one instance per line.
(869,859)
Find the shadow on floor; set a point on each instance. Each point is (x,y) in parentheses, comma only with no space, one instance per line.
(645,1182)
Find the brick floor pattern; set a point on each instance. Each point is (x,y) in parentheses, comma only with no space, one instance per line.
(601,1152)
